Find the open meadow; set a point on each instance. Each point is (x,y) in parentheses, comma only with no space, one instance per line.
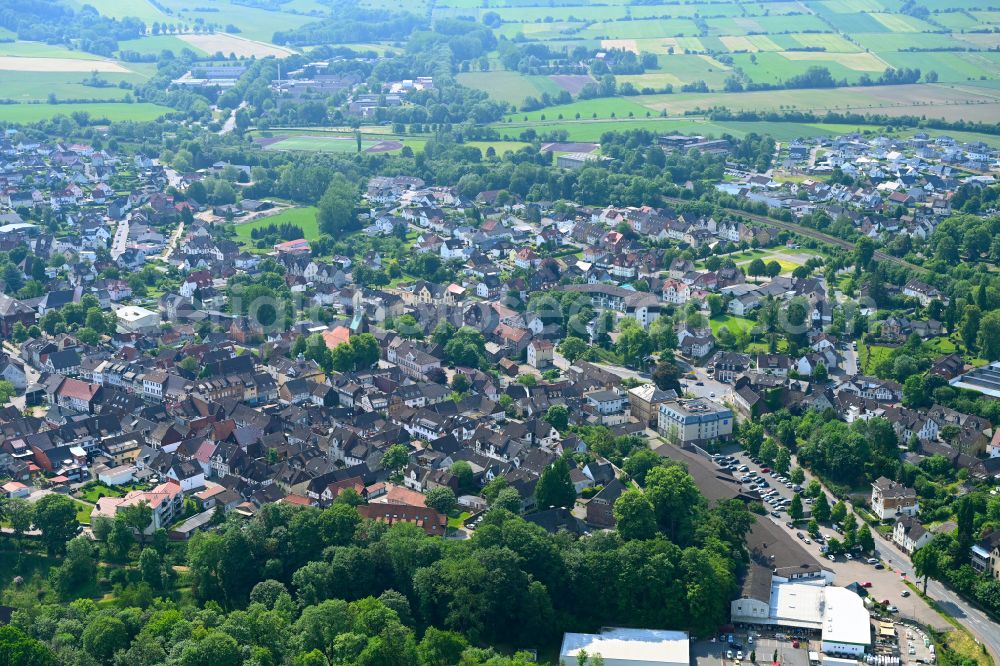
(707,46)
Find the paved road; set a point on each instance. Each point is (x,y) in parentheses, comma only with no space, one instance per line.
(886,584)
(174,237)
(982,627)
(120,242)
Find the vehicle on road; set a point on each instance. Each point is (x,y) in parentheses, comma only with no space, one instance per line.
(867,583)
(904,593)
(729,654)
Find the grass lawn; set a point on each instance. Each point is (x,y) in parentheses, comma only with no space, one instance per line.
(871,355)
(83,512)
(942,345)
(732,322)
(303,218)
(100,490)
(109,111)
(457,522)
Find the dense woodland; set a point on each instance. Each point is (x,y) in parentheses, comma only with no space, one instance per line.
(306,586)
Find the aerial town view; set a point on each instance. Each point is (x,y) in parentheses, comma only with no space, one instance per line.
(499,333)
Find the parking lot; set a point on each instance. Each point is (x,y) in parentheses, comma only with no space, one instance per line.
(886,584)
(707,653)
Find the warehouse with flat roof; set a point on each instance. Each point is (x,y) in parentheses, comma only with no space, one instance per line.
(835,614)
(629,647)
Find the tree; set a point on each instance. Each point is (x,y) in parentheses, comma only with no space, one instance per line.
(507,499)
(795,508)
(214,649)
(667,376)
(634,515)
(6,391)
(441,499)
(970,326)
(463,472)
(927,562)
(782,460)
(395,458)
(459,383)
(151,568)
(440,648)
(797,475)
(838,512)
(104,636)
(554,487)
(821,509)
(55,517)
(768,451)
(865,539)
(988,337)
(638,465)
(336,207)
(558,417)
(19,649)
(756,268)
(573,348)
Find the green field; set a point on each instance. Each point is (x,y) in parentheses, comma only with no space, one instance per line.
(140,9)
(510,87)
(41,50)
(733,323)
(322,144)
(258,24)
(303,218)
(29,113)
(155,44)
(36,86)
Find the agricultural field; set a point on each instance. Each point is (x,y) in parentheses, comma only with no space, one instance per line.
(255,24)
(511,87)
(227,44)
(760,42)
(140,9)
(26,86)
(112,112)
(155,44)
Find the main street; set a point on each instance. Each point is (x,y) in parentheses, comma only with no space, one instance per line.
(985,630)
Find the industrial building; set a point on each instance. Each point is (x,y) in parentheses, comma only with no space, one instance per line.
(835,614)
(629,647)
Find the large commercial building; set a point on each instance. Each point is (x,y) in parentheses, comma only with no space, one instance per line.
(629,647)
(835,614)
(694,421)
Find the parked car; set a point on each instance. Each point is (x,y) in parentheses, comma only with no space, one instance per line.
(872,560)
(880,566)
(867,583)
(848,556)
